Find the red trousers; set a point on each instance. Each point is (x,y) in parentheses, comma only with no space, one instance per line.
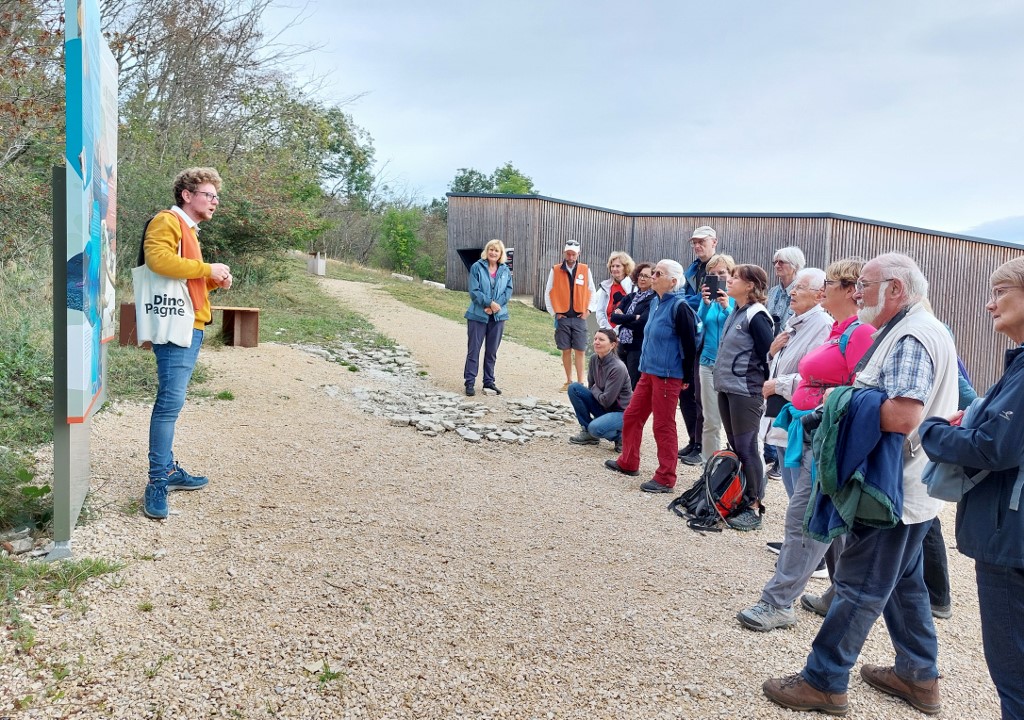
(661,397)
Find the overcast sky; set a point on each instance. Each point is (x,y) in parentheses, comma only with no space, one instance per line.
(905,112)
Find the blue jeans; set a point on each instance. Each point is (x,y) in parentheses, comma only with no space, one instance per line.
(881,572)
(1001,602)
(174,366)
(593,418)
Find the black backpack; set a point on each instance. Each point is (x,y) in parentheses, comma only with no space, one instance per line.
(716,496)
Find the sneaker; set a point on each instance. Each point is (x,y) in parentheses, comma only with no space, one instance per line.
(181,480)
(764,617)
(470,392)
(773,472)
(774,547)
(583,438)
(746,521)
(820,572)
(942,612)
(687,450)
(653,486)
(565,386)
(923,695)
(154,502)
(614,465)
(694,458)
(795,693)
(815,604)
(492,387)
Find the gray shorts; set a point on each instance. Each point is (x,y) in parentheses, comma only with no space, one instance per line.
(571,333)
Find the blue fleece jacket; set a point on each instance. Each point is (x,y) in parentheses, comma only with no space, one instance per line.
(859,467)
(669,336)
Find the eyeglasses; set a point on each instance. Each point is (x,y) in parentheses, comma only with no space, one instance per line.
(998,292)
(861,284)
(834,282)
(658,273)
(643,276)
(209,195)
(803,288)
(572,244)
(781,262)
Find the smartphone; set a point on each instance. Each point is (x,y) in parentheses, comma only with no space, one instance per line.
(712,282)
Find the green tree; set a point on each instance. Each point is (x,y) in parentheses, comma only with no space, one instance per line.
(506,180)
(399,241)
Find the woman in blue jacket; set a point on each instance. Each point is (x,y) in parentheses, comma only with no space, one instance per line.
(490,288)
(989,518)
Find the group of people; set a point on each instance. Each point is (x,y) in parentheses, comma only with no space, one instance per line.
(785,369)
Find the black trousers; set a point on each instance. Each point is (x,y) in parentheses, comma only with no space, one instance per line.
(689,405)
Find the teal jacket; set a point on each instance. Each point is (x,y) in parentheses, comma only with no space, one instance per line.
(482,293)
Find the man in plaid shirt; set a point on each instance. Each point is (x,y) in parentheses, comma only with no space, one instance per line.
(881,570)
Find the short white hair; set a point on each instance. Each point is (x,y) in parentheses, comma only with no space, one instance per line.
(903,268)
(793,255)
(673,270)
(815,278)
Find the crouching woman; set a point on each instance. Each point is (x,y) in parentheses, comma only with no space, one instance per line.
(599,407)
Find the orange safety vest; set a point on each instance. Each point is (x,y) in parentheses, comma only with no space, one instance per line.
(580,290)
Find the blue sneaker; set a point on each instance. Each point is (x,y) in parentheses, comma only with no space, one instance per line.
(154,502)
(181,480)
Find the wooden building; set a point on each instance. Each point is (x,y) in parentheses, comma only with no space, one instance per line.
(957,266)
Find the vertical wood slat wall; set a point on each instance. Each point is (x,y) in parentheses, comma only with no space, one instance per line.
(957,268)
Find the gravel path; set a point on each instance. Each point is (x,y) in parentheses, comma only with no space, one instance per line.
(436,578)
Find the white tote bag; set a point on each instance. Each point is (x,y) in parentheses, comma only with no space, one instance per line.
(163,308)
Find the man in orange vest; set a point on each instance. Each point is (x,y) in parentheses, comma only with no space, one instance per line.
(567,297)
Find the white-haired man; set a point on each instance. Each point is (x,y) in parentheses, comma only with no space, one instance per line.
(567,298)
(912,361)
(666,367)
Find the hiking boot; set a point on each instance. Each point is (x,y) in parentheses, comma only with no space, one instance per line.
(492,387)
(774,547)
(583,438)
(687,450)
(820,572)
(618,446)
(764,617)
(694,458)
(470,392)
(154,501)
(653,486)
(815,604)
(181,480)
(774,472)
(614,465)
(746,521)
(795,693)
(942,612)
(923,695)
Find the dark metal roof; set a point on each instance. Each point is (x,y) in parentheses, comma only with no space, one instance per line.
(833,216)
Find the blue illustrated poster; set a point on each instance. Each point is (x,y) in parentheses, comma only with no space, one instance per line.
(91,159)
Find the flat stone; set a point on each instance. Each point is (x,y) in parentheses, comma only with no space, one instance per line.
(399,420)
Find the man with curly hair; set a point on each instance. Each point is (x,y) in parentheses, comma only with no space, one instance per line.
(171,247)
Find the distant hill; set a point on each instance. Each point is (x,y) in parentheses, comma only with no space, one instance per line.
(1009,229)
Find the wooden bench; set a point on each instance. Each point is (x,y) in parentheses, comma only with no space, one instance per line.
(240,326)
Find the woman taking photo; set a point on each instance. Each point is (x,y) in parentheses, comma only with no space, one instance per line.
(630,317)
(739,375)
(612,290)
(599,404)
(714,311)
(989,518)
(490,288)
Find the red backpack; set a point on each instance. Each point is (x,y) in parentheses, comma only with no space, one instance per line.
(716,496)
